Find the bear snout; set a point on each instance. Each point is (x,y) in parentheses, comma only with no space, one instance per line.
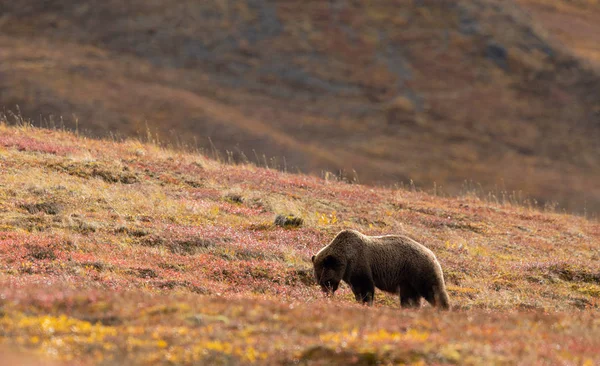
(329,287)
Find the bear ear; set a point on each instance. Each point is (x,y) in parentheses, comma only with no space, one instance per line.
(313,259)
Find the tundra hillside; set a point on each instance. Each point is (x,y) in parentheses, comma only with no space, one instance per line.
(127,253)
(500,92)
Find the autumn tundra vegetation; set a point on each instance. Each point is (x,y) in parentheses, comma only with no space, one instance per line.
(127,252)
(469,86)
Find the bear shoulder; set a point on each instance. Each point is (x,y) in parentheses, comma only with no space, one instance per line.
(349,234)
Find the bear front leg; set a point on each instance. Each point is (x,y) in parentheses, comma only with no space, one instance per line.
(365,298)
(363,289)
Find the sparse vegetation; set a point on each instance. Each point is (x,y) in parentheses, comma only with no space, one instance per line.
(159,271)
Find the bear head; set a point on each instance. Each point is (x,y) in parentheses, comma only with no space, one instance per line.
(328,271)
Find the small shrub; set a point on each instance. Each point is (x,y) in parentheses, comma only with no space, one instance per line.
(288,221)
(134,232)
(173,266)
(40,252)
(142,272)
(189,246)
(328,355)
(85,227)
(246,254)
(234,198)
(570,272)
(182,246)
(109,174)
(304,276)
(45,207)
(260,227)
(98,266)
(194,183)
(152,241)
(171,284)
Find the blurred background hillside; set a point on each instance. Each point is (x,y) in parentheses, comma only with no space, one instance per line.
(504,93)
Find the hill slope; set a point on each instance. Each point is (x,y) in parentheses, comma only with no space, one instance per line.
(429,91)
(122,252)
(572,23)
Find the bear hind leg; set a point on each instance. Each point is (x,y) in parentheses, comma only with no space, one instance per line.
(409,297)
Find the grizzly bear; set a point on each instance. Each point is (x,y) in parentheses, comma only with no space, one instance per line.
(392,263)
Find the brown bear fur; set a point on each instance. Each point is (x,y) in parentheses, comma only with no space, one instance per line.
(392,263)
